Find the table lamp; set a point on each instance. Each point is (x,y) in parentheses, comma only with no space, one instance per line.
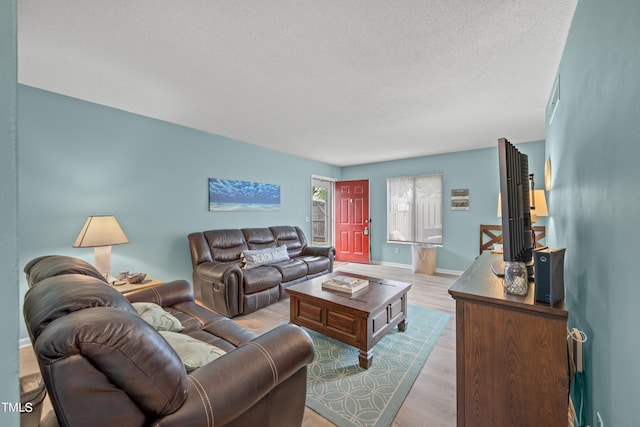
(100,233)
(538,205)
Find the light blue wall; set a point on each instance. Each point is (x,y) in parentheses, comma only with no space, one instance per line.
(594,147)
(9,306)
(79,159)
(476,170)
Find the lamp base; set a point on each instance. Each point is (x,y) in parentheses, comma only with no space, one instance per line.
(102,260)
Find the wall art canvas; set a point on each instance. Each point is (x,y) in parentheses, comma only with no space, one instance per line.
(232,195)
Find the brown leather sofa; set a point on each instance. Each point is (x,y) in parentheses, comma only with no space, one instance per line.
(221,282)
(104,366)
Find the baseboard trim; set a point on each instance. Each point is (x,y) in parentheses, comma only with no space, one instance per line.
(452,272)
(393,264)
(410,267)
(24,342)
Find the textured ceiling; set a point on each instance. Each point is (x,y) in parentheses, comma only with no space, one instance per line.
(340,81)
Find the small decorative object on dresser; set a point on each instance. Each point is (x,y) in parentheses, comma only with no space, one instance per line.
(136,278)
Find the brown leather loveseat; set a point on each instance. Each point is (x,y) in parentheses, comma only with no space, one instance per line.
(104,366)
(224,280)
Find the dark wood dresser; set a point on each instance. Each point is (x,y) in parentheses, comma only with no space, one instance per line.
(512,362)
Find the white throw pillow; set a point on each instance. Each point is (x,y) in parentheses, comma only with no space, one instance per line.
(257,257)
(193,352)
(157,317)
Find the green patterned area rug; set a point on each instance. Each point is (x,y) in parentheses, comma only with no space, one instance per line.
(347,395)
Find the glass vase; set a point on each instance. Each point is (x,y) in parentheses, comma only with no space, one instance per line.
(516,280)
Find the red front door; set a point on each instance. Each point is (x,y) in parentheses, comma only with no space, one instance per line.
(352,221)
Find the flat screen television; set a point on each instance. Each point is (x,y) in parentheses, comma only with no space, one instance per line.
(517,240)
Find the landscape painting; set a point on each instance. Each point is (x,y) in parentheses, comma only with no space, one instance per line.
(231,195)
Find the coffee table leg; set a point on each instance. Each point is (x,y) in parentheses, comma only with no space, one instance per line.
(364,358)
(402,326)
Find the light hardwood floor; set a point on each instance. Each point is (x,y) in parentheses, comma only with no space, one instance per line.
(432,399)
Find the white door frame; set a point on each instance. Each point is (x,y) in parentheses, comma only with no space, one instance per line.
(329,207)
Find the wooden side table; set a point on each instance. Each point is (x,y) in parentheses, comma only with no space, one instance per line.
(148,282)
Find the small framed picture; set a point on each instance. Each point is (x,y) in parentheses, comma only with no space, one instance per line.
(460,199)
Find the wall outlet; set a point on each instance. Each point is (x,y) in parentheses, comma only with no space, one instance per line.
(397,250)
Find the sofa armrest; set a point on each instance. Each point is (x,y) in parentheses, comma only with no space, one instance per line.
(165,295)
(328,251)
(218,285)
(218,272)
(229,386)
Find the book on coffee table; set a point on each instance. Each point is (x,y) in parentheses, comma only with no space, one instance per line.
(345,284)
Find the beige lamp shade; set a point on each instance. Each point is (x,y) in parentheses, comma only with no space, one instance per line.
(100,231)
(539,200)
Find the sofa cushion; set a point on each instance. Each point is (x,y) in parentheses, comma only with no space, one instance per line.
(261,278)
(316,264)
(157,317)
(193,352)
(225,245)
(291,269)
(292,237)
(259,238)
(258,257)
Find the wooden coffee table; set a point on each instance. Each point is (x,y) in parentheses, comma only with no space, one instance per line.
(360,319)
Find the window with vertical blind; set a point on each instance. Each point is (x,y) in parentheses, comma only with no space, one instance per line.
(414,209)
